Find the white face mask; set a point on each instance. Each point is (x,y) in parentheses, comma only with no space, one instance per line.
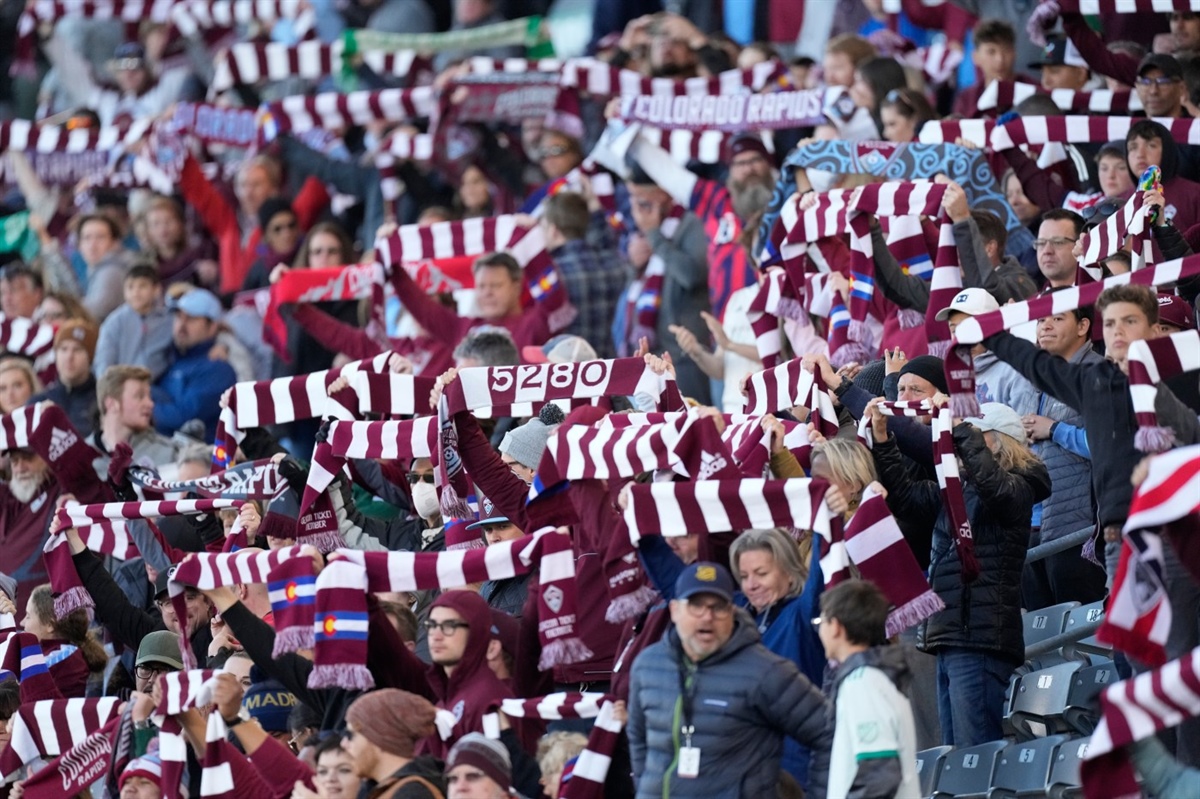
(425,500)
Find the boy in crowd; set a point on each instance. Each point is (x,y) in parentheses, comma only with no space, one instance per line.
(139,332)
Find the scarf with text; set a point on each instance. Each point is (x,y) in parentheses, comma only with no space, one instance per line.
(960,370)
(339,283)
(52,727)
(1139,613)
(601,79)
(1133,710)
(873,543)
(946,465)
(1150,361)
(728,113)
(76,769)
(340,613)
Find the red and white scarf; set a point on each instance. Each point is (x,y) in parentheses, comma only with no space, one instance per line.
(872,541)
(391,440)
(1132,220)
(33,340)
(946,466)
(1133,710)
(179,691)
(339,283)
(1125,6)
(1149,363)
(777,298)
(787,386)
(643,298)
(337,111)
(603,80)
(676,509)
(52,727)
(1004,95)
(727,113)
(250,62)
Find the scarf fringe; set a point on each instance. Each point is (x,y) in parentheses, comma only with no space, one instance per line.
(913,612)
(963,406)
(909,318)
(562,652)
(1088,552)
(851,352)
(938,348)
(341,675)
(789,308)
(74,598)
(1154,439)
(452,505)
(326,542)
(629,606)
(292,639)
(857,330)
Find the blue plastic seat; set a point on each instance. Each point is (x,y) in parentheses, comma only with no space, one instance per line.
(929,767)
(967,773)
(1023,768)
(1039,702)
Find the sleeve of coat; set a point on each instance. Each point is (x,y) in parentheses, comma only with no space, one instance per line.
(795,707)
(907,291)
(635,726)
(916,501)
(128,625)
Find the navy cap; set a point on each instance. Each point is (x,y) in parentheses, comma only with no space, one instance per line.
(488,514)
(705,578)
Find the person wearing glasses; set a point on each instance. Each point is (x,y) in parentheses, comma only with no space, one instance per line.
(710,706)
(1160,86)
(1057,234)
(157,654)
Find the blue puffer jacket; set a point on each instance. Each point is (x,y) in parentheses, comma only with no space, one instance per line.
(747,700)
(191,388)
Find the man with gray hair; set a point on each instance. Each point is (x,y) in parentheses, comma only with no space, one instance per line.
(486,346)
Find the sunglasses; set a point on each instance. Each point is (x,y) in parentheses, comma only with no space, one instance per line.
(1100,210)
(417,477)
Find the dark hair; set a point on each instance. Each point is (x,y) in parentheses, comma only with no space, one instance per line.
(328,229)
(1135,49)
(861,608)
(144,271)
(405,619)
(994,31)
(113,227)
(637,175)
(18,270)
(990,228)
(802,61)
(1141,296)
(1082,313)
(329,743)
(882,75)
(302,717)
(1119,255)
(71,627)
(909,104)
(1062,214)
(501,260)
(1148,130)
(569,213)
(10,698)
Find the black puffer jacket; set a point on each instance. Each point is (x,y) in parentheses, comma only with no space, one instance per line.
(985,614)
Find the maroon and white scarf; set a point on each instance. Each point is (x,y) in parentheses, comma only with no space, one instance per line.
(643,298)
(21,659)
(33,340)
(72,772)
(1133,710)
(192,16)
(1004,95)
(946,466)
(340,615)
(52,727)
(336,111)
(1125,6)
(777,298)
(787,386)
(179,691)
(727,113)
(603,80)
(1139,612)
(943,286)
(1132,220)
(675,509)
(872,542)
(391,440)
(1149,363)
(960,371)
(1040,131)
(21,135)
(250,62)
(250,480)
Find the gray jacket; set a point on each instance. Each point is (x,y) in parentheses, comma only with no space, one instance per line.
(996,381)
(1007,282)
(106,284)
(127,337)
(1070,507)
(747,699)
(684,296)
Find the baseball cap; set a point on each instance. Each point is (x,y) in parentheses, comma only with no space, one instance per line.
(1176,312)
(703,577)
(1169,65)
(129,55)
(747,143)
(972,302)
(1060,52)
(999,418)
(563,348)
(199,303)
(487,515)
(81,331)
(160,646)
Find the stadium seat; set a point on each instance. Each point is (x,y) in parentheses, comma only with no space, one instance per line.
(1064,774)
(1085,614)
(967,773)
(929,766)
(1045,623)
(1083,700)
(1039,701)
(1023,769)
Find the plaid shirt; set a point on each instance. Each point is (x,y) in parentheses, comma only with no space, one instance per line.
(594,273)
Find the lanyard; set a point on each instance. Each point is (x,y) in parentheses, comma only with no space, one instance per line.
(687,695)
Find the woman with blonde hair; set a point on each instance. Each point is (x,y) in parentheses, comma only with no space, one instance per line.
(554,751)
(72,652)
(18,382)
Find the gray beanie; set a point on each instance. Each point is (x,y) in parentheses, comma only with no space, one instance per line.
(526,444)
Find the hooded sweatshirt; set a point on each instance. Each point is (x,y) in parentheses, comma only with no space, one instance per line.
(1182,195)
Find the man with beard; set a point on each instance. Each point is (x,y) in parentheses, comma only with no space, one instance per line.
(724,209)
(26,504)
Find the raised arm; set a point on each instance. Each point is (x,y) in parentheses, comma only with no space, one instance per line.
(672,178)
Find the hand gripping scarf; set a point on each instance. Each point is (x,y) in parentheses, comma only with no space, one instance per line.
(77,768)
(1151,361)
(787,386)
(179,691)
(960,371)
(21,659)
(872,541)
(339,283)
(1162,513)
(946,466)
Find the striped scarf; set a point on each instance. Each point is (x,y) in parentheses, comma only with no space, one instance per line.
(598,78)
(1149,363)
(339,283)
(713,506)
(946,466)
(644,295)
(391,440)
(1091,7)
(787,386)
(960,371)
(32,340)
(339,620)
(944,285)
(1040,131)
(584,777)
(21,659)
(1139,612)
(727,113)
(872,542)
(205,571)
(776,299)
(1000,96)
(250,62)
(250,480)
(1133,710)
(1132,220)
(299,113)
(72,772)
(52,727)
(179,691)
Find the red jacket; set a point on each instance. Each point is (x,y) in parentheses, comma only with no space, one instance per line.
(221,218)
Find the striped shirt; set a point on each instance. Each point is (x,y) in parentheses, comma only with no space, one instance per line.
(729,267)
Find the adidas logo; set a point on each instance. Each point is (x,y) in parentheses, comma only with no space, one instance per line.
(710,464)
(60,442)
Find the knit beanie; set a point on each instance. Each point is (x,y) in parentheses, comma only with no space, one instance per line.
(490,757)
(870,378)
(929,367)
(268,702)
(279,520)
(272,207)
(81,331)
(148,766)
(392,719)
(526,444)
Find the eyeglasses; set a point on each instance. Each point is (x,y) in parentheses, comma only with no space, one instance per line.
(1055,242)
(449,627)
(149,672)
(720,609)
(1101,210)
(417,477)
(190,595)
(279,227)
(1162,80)
(555,152)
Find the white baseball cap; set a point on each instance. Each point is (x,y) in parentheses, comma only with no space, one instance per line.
(972,302)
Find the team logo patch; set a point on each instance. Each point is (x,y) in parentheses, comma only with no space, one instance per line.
(554,598)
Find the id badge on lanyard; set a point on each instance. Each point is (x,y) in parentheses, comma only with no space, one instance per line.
(689,756)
